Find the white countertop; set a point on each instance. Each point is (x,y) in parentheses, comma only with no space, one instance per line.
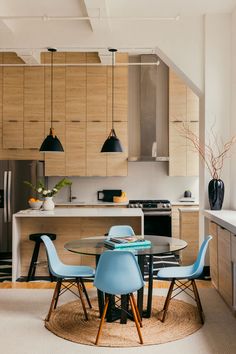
(188,210)
(81,212)
(177,203)
(225,218)
(97,203)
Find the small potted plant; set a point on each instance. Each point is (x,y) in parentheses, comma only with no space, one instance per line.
(48,194)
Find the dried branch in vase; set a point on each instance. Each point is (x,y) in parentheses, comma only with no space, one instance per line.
(213,153)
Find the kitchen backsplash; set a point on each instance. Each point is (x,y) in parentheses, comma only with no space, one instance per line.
(145,180)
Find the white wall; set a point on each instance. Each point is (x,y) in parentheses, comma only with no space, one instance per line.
(218,89)
(233,112)
(145,180)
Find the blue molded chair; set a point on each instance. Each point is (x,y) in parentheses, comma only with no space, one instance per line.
(184,277)
(118,273)
(120,230)
(69,273)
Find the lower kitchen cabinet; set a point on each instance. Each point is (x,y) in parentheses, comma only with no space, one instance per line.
(221,261)
(225,265)
(214,255)
(189,232)
(175,218)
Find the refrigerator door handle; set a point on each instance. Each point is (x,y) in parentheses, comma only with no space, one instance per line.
(5,195)
(9,197)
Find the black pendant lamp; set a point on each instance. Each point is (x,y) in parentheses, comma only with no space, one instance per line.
(112,143)
(51,143)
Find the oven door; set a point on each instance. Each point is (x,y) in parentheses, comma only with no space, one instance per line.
(157,223)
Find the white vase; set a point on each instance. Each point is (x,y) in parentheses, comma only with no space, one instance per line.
(48,204)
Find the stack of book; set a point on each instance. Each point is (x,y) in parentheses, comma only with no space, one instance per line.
(128,241)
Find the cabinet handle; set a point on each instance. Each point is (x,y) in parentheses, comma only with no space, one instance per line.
(13,120)
(96,121)
(194,121)
(33,121)
(75,121)
(55,121)
(117,121)
(177,121)
(223,228)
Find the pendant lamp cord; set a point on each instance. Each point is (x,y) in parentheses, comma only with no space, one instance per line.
(51,89)
(112,97)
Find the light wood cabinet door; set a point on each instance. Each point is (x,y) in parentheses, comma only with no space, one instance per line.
(58,106)
(214,254)
(120,89)
(75,148)
(192,163)
(96,93)
(33,94)
(117,164)
(13,78)
(34,134)
(75,87)
(177,151)
(225,265)
(55,161)
(12,134)
(177,98)
(96,161)
(189,231)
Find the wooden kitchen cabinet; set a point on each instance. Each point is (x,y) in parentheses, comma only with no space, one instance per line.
(13,78)
(117,163)
(225,284)
(33,107)
(75,87)
(189,232)
(96,93)
(183,110)
(213,230)
(55,162)
(96,161)
(75,148)
(175,218)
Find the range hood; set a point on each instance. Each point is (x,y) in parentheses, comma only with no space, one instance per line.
(152,125)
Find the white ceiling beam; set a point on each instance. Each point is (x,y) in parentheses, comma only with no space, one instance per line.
(96,9)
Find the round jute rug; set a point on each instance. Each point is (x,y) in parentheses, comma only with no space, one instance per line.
(68,322)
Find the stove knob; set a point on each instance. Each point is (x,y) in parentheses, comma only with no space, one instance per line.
(168,205)
(140,205)
(137,205)
(163,206)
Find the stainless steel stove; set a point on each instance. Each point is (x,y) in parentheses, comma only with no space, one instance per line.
(157,216)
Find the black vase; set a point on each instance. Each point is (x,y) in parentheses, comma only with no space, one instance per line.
(216,192)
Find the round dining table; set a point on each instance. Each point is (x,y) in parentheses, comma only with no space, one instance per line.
(160,246)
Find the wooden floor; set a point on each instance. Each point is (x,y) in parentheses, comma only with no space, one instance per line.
(49,285)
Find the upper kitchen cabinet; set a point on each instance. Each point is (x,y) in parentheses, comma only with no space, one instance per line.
(33,107)
(58,80)
(12,100)
(75,148)
(75,87)
(183,110)
(96,89)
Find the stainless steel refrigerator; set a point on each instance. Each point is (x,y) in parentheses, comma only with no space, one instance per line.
(14,194)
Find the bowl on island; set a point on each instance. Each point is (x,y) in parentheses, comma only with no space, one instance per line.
(35,203)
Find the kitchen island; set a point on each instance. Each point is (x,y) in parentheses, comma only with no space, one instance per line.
(68,224)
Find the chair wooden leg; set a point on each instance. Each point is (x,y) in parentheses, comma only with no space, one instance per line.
(136,319)
(168,298)
(102,319)
(85,293)
(198,301)
(54,297)
(82,300)
(136,309)
(58,294)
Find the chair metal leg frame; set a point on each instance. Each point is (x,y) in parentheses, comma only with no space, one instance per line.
(85,292)
(137,318)
(180,287)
